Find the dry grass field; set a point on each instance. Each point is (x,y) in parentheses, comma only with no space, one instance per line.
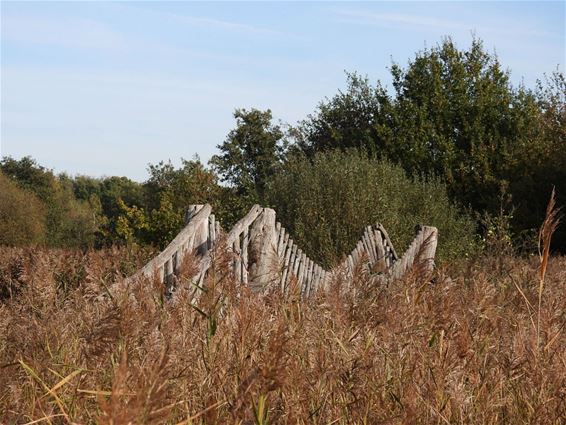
(474,346)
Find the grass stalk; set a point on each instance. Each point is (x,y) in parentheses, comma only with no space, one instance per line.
(549,225)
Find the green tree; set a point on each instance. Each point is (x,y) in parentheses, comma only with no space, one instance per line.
(131,224)
(109,197)
(165,222)
(358,117)
(22,215)
(541,163)
(454,113)
(29,175)
(69,222)
(192,183)
(458,116)
(171,190)
(250,154)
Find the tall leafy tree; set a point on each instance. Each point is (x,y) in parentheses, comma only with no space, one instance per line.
(458,116)
(22,215)
(250,154)
(69,222)
(542,162)
(358,117)
(454,114)
(191,183)
(171,190)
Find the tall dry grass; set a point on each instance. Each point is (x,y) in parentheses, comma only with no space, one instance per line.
(461,350)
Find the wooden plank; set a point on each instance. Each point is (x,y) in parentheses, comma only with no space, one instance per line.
(263,258)
(421,252)
(282,242)
(297,263)
(316,277)
(191,212)
(355,255)
(167,269)
(186,234)
(312,285)
(326,279)
(292,262)
(175,262)
(308,275)
(307,279)
(314,274)
(202,238)
(293,266)
(301,270)
(379,244)
(237,259)
(284,247)
(280,236)
(320,279)
(244,223)
(286,261)
(211,231)
(300,265)
(428,251)
(218,229)
(387,240)
(371,239)
(381,265)
(367,249)
(303,279)
(245,243)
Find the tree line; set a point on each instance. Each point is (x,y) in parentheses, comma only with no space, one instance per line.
(452,144)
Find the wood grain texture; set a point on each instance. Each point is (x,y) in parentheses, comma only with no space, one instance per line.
(265,257)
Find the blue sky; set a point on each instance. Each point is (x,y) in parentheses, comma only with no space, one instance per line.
(104,88)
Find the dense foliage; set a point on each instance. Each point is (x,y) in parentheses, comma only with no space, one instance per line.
(326,203)
(453,122)
(85,211)
(455,114)
(249,153)
(68,222)
(22,215)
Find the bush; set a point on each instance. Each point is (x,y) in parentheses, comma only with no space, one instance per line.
(326,203)
(22,215)
(68,221)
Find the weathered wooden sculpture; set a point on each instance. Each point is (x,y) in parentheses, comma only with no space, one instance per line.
(265,257)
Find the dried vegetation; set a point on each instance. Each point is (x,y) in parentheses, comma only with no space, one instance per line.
(483,342)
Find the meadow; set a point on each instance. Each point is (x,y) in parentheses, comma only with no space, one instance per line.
(482,341)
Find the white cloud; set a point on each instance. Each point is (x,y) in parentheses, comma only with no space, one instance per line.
(202,21)
(225,25)
(414,21)
(74,33)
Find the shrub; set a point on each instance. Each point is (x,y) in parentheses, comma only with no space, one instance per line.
(67,221)
(22,215)
(326,203)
